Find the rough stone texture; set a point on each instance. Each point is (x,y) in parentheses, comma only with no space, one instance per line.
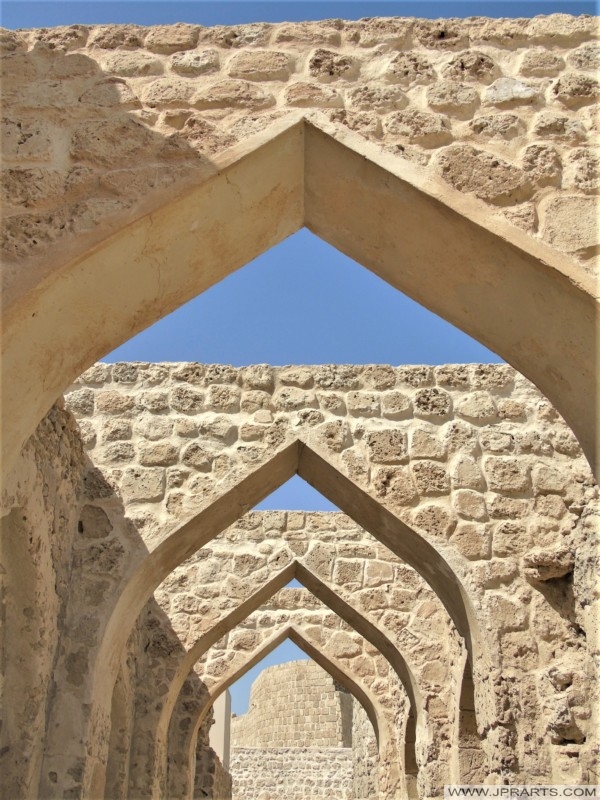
(127,82)
(296,705)
(292,772)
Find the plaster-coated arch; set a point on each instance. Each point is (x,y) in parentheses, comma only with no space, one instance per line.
(296,457)
(370,703)
(513,294)
(327,595)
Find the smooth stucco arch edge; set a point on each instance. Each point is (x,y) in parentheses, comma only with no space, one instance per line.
(513,293)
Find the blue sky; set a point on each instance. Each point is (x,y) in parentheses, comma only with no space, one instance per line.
(302,302)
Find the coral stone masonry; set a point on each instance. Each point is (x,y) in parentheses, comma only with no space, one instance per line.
(450,607)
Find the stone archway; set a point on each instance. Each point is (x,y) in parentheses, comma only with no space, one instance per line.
(282,180)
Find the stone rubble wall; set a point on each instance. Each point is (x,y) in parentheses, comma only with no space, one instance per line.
(364,755)
(300,705)
(292,773)
(47,496)
(471,455)
(98,118)
(292,706)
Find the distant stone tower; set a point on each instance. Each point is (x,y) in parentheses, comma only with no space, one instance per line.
(296,741)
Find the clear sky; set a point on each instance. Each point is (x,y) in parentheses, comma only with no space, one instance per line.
(303,302)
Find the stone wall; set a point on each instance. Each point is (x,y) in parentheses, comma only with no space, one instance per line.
(471,456)
(46,493)
(98,118)
(293,705)
(293,773)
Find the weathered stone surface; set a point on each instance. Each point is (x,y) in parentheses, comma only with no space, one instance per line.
(543,163)
(454,98)
(196,62)
(232,94)
(502,126)
(488,177)
(570,223)
(128,64)
(472,65)
(509,92)
(419,127)
(307,95)
(260,65)
(327,65)
(574,90)
(408,69)
(539,63)
(586,57)
(172,38)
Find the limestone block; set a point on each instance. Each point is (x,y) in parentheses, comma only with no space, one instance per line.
(171,38)
(430,477)
(109,143)
(94,523)
(539,63)
(154,429)
(380,99)
(570,223)
(471,65)
(488,177)
(233,94)
(196,456)
(305,32)
(460,436)
(554,126)
(509,92)
(395,484)
(465,473)
(111,402)
(155,402)
(469,505)
(574,90)
(186,400)
(192,63)
(260,65)
(26,141)
(387,446)
(561,29)
(158,454)
(327,65)
(424,443)
(506,474)
(362,404)
(435,520)
(498,126)
(347,571)
(131,64)
(432,403)
(453,98)
(409,69)
(478,406)
(143,485)
(419,127)
(507,614)
(111,37)
(292,398)
(584,170)
(81,402)
(118,452)
(312,95)
(494,441)
(441,34)
(511,539)
(542,162)
(378,572)
(586,57)
(548,478)
(336,435)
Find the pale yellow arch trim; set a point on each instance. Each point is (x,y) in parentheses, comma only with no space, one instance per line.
(531,305)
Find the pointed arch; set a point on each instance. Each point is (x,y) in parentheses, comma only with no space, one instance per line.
(514,294)
(327,595)
(375,711)
(413,547)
